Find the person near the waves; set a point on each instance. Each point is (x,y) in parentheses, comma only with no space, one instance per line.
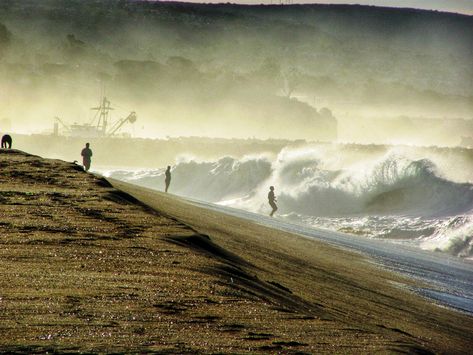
(272,200)
(86,156)
(167,179)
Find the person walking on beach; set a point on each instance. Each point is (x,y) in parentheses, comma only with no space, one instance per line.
(86,156)
(6,140)
(272,200)
(167,180)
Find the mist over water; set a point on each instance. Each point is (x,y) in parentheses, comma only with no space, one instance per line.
(346,73)
(268,75)
(403,194)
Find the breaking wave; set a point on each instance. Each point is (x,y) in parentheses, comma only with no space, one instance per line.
(393,194)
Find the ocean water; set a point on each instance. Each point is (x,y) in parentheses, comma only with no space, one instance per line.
(447,280)
(418,196)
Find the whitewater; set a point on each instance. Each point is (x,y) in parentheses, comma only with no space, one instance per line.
(403,195)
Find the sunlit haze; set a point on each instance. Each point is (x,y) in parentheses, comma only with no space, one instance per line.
(255,176)
(355,74)
(361,117)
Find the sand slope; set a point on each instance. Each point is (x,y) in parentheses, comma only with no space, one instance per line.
(87,267)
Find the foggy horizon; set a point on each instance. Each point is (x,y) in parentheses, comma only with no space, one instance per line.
(361,117)
(189,177)
(310,73)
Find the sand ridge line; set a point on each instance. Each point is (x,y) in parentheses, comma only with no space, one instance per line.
(86,267)
(345,285)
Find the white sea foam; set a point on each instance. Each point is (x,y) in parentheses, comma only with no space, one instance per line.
(404,193)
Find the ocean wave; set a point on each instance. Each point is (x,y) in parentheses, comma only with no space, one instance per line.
(454,236)
(392,193)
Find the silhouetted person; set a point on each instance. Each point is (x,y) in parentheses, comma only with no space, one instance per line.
(272,200)
(6,140)
(167,180)
(86,155)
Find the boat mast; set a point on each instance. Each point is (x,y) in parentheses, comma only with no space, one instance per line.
(104,115)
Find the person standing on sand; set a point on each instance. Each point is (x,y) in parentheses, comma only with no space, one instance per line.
(167,180)
(272,200)
(6,141)
(86,155)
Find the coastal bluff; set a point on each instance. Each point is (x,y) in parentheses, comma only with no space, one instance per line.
(95,265)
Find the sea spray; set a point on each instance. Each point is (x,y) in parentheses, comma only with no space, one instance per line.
(405,194)
(453,235)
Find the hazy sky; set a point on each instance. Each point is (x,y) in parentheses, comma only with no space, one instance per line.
(460,6)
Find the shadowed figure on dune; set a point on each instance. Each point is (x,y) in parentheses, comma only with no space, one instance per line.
(167,180)
(6,140)
(86,156)
(272,200)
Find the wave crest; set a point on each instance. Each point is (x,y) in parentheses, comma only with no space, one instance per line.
(317,182)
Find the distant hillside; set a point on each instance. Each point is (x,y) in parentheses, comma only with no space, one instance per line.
(236,70)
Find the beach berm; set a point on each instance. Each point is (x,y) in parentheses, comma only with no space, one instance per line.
(92,265)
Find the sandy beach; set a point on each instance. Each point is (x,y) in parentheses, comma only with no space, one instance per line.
(91,265)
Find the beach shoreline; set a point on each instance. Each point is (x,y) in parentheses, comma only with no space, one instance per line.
(89,265)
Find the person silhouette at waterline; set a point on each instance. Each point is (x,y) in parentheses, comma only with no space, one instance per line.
(167,180)
(272,200)
(86,156)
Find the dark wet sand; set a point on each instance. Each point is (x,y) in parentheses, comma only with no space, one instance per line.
(86,267)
